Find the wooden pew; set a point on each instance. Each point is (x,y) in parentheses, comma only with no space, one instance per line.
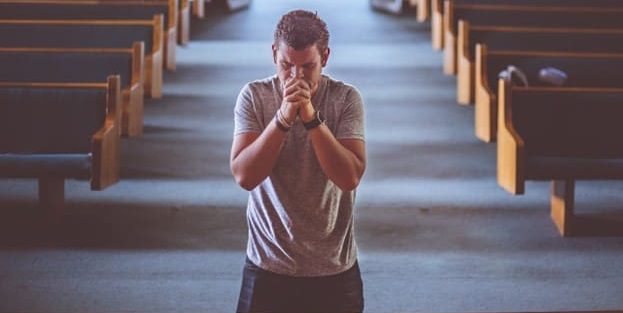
(559,135)
(437,11)
(100,9)
(55,131)
(84,65)
(561,16)
(584,69)
(526,39)
(92,34)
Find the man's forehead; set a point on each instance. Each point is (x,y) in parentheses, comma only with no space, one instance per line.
(308,54)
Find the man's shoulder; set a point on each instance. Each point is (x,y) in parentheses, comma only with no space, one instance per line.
(340,87)
(262,84)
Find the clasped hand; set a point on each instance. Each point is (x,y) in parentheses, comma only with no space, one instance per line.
(297,100)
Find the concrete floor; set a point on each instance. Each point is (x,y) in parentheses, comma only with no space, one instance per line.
(436,233)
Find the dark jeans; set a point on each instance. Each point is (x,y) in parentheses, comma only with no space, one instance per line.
(264,291)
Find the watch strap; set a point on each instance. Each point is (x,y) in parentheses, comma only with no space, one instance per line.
(315,122)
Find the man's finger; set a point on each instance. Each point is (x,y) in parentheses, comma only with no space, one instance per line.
(303,93)
(305,84)
(289,82)
(295,98)
(294,88)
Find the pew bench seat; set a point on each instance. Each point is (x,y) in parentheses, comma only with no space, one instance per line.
(75,165)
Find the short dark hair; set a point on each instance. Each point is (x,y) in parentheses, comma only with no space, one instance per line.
(300,29)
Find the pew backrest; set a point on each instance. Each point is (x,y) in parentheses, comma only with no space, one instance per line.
(90,9)
(542,39)
(66,64)
(569,122)
(582,69)
(561,16)
(80,33)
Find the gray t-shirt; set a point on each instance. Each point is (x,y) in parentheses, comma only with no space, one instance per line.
(300,222)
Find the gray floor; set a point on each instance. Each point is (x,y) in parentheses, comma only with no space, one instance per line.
(436,233)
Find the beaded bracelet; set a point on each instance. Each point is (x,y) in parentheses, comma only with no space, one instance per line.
(280,124)
(283,120)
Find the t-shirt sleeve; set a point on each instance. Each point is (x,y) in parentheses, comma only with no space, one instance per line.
(351,125)
(245,115)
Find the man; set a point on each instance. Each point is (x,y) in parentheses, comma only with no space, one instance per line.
(299,149)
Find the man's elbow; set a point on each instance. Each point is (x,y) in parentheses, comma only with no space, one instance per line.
(243,179)
(245,182)
(349,184)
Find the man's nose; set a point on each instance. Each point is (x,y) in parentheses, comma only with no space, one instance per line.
(297,72)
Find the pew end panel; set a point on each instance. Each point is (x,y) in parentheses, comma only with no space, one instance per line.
(132,115)
(485,107)
(423,10)
(171,36)
(437,25)
(154,61)
(449,41)
(465,67)
(169,49)
(511,156)
(198,8)
(184,22)
(106,142)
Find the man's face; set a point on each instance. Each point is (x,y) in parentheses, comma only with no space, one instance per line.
(306,64)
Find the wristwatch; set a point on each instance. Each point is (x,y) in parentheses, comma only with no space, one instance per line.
(315,122)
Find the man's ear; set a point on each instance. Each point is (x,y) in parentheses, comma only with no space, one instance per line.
(274,53)
(325,57)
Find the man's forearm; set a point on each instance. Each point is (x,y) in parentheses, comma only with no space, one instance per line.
(255,162)
(341,165)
